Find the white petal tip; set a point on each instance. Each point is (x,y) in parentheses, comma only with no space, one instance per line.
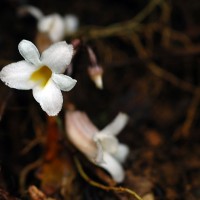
(16,75)
(122,153)
(64,82)
(98,82)
(113,167)
(22,42)
(29,52)
(116,125)
(124,117)
(50,98)
(71,23)
(71,85)
(74,81)
(25,45)
(51,111)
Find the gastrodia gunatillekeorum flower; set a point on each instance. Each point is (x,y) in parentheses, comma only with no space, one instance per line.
(57,27)
(43,74)
(100,147)
(54,25)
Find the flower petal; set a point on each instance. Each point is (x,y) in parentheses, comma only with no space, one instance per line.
(121,153)
(71,23)
(116,125)
(58,56)
(17,75)
(34,11)
(50,98)
(113,167)
(53,25)
(29,52)
(108,142)
(64,82)
(79,132)
(99,154)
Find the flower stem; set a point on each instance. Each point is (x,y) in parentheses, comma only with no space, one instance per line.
(101,186)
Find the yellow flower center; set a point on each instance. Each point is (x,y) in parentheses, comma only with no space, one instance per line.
(42,75)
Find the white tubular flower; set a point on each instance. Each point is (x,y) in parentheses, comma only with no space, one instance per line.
(41,74)
(100,147)
(54,25)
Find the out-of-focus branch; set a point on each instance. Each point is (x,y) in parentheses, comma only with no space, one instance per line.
(191,112)
(158,71)
(184,85)
(115,29)
(135,25)
(25,171)
(184,130)
(32,144)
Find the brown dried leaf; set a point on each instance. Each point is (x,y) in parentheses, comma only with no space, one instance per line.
(153,138)
(57,172)
(57,175)
(36,194)
(148,196)
(141,185)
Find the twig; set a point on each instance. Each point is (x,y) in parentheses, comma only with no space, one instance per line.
(33,143)
(101,186)
(191,113)
(168,37)
(115,29)
(158,71)
(25,171)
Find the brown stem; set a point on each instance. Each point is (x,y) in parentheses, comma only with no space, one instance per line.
(101,186)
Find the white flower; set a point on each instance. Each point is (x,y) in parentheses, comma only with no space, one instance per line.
(41,74)
(54,25)
(100,147)
(71,24)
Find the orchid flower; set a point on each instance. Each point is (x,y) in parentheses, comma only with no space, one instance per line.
(100,147)
(54,25)
(44,75)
